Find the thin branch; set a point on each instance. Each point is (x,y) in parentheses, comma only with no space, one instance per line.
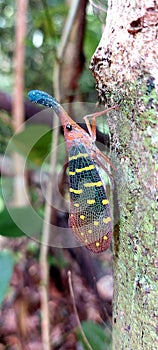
(75,311)
(68,27)
(45,326)
(62,46)
(48,209)
(17,103)
(19,59)
(98,7)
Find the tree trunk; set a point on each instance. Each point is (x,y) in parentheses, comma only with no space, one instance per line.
(125,66)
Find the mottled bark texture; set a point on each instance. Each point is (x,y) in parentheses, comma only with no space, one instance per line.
(125,66)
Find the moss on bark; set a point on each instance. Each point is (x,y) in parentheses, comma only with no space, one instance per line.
(135,139)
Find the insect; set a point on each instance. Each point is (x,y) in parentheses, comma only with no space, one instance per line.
(90,218)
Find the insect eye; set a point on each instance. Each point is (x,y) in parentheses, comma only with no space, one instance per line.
(69,127)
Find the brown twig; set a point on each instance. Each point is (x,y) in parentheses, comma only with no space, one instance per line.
(44,247)
(98,7)
(75,311)
(20,198)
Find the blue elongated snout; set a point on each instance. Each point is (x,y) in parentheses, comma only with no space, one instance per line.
(44,99)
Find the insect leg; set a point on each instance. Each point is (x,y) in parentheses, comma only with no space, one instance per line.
(92,127)
(106,159)
(101,165)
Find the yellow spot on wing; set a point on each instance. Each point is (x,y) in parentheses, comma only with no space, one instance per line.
(79,155)
(106,220)
(82,234)
(79,170)
(105,238)
(86,168)
(97,244)
(76,205)
(75,191)
(89,231)
(105,201)
(90,201)
(82,217)
(93,184)
(96,223)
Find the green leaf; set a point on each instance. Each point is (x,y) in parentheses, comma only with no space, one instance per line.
(20,221)
(34,143)
(96,336)
(6,189)
(6,264)
(92,36)
(1,203)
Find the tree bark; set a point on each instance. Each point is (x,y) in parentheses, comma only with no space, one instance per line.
(125,66)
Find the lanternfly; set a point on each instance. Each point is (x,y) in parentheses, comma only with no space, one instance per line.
(90,217)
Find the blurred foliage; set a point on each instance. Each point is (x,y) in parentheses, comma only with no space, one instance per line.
(96,336)
(34,143)
(58,261)
(45,23)
(100,9)
(14,222)
(7,23)
(6,131)
(6,264)
(44,28)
